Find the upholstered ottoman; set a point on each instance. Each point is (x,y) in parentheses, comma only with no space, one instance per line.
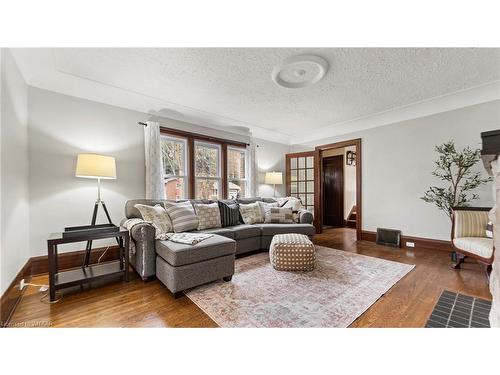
(292,252)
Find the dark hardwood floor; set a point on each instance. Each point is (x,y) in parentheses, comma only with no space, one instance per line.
(139,304)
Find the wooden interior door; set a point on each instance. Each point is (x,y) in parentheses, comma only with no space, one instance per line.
(333,191)
(300,177)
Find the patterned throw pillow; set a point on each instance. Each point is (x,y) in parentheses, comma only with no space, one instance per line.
(182,215)
(294,203)
(489,230)
(208,215)
(229,214)
(263,207)
(158,217)
(279,215)
(251,213)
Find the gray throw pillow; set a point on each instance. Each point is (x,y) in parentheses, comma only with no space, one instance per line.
(158,217)
(182,215)
(208,215)
(251,213)
(279,215)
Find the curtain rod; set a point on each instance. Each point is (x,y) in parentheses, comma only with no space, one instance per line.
(144,124)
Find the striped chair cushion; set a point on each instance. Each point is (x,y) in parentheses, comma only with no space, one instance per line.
(182,215)
(229,214)
(469,223)
(480,246)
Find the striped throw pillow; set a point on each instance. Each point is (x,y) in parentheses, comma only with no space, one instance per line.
(182,215)
(229,214)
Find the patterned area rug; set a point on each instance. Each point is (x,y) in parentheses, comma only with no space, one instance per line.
(340,289)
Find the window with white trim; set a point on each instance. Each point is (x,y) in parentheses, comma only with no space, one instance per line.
(207,161)
(237,172)
(174,158)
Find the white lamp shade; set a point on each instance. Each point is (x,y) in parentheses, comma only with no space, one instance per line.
(274,178)
(95,166)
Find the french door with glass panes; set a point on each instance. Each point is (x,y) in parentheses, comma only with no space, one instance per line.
(300,177)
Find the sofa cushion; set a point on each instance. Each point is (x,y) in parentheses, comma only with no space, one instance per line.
(178,254)
(225,232)
(480,246)
(244,231)
(272,229)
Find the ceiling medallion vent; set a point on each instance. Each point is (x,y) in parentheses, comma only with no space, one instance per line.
(300,71)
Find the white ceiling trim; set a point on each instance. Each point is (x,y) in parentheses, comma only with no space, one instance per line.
(459,99)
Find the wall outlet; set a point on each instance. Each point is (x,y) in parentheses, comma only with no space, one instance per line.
(410,244)
(22,284)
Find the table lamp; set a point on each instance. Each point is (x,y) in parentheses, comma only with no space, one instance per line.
(274,178)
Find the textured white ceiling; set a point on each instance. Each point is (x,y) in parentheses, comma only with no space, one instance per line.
(233,86)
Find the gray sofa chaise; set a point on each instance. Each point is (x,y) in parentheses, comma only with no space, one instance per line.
(181,266)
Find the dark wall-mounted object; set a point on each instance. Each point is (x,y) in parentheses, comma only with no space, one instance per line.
(491,148)
(388,237)
(350,158)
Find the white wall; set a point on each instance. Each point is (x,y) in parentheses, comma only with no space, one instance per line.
(270,157)
(397,161)
(14,224)
(62,126)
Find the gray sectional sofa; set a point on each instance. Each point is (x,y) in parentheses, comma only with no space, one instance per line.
(181,266)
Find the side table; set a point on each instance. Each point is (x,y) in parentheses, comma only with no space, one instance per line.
(83,275)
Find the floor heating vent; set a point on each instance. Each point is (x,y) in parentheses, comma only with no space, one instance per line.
(389,237)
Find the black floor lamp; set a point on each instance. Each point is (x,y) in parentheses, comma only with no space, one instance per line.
(97,167)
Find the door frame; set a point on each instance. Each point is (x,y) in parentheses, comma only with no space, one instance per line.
(341,157)
(318,183)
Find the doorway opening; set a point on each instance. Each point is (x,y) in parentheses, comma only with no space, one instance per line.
(339,187)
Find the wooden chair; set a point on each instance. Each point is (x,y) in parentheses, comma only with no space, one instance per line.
(468,236)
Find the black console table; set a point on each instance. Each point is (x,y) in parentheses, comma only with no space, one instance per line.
(83,275)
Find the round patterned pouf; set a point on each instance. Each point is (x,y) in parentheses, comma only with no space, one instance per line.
(292,252)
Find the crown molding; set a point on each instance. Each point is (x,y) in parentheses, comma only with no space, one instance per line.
(448,102)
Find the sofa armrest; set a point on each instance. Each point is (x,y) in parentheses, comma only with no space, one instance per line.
(305,217)
(144,259)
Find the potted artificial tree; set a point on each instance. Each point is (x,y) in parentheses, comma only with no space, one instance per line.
(455,169)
